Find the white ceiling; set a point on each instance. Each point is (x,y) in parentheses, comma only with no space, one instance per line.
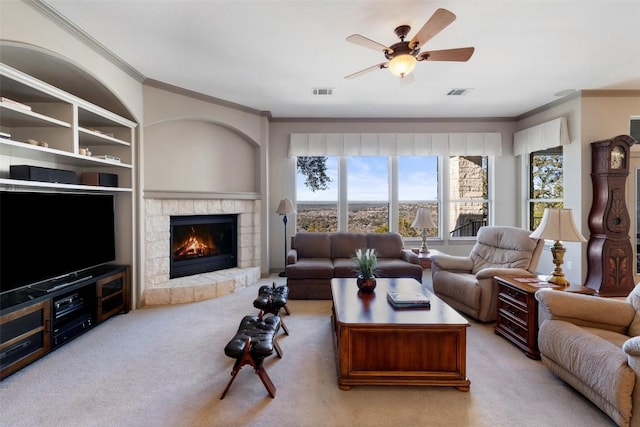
(269,55)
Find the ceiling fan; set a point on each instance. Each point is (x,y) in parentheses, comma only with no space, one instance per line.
(402,56)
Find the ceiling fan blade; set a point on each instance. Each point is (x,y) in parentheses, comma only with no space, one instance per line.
(368,43)
(366,70)
(461,54)
(438,22)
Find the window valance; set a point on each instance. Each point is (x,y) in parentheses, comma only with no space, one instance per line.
(395,144)
(541,137)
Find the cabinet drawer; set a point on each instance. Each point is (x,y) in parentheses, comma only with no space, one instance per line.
(514,329)
(513,311)
(513,294)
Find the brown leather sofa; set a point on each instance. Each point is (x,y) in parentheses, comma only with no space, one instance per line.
(316,258)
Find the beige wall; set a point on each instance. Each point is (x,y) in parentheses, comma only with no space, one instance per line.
(223,149)
(193,145)
(605,116)
(591,116)
(27,26)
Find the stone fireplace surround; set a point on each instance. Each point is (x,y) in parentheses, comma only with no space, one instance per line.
(159,289)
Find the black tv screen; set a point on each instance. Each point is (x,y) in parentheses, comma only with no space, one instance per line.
(46,236)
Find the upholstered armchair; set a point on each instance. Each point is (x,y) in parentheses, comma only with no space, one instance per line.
(593,344)
(467,283)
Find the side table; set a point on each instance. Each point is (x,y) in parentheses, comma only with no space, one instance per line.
(425,259)
(518,310)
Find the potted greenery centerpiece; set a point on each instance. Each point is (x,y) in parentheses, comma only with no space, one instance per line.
(366,262)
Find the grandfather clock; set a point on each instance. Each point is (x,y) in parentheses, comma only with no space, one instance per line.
(609,252)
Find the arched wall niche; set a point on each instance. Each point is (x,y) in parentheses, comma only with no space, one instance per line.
(201,155)
(63,73)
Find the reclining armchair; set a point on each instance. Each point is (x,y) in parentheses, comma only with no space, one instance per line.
(593,344)
(467,283)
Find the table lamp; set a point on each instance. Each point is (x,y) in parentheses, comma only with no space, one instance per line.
(423,220)
(557,224)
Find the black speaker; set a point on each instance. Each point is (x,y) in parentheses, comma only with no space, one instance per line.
(36,173)
(99,178)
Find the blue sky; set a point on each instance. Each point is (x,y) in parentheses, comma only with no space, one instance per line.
(369,180)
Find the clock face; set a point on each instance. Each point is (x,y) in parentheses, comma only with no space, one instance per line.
(617,157)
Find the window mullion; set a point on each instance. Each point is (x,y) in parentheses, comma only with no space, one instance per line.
(343,202)
(393,194)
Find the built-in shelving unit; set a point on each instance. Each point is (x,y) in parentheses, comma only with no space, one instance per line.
(51,128)
(46,127)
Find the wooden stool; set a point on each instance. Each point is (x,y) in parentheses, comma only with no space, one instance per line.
(253,342)
(271,299)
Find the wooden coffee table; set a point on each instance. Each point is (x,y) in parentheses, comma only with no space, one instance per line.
(379,345)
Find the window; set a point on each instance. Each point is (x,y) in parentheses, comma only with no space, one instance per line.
(380,193)
(545,183)
(417,188)
(318,210)
(368,194)
(468,195)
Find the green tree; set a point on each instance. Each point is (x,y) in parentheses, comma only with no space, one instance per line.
(314,169)
(547,176)
(406,229)
(546,183)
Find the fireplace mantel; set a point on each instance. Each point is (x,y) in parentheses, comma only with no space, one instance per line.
(200,195)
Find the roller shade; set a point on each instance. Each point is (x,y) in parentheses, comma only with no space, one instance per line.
(395,144)
(541,137)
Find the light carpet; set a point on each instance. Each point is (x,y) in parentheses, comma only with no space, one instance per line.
(165,366)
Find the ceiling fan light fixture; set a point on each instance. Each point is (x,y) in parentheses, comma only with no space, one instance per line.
(402,65)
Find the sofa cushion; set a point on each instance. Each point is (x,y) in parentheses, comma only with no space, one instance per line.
(634,299)
(344,245)
(394,267)
(600,365)
(319,268)
(505,247)
(387,245)
(312,245)
(344,267)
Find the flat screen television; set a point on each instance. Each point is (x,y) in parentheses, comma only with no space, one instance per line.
(47,237)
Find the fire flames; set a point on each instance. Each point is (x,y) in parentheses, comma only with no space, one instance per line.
(193,247)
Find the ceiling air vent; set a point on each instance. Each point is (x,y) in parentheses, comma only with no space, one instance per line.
(458,92)
(322,91)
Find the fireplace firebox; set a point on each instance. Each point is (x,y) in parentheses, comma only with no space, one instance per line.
(202,243)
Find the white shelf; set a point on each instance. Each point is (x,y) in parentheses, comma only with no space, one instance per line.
(16,184)
(16,116)
(92,137)
(23,150)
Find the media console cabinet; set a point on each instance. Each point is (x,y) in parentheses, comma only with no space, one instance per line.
(35,321)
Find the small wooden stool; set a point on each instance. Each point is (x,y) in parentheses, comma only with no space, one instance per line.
(253,342)
(271,299)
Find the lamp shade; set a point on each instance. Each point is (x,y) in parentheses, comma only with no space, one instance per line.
(423,219)
(402,65)
(286,207)
(557,224)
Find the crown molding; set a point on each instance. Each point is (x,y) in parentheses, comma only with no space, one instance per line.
(54,16)
(595,93)
(202,97)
